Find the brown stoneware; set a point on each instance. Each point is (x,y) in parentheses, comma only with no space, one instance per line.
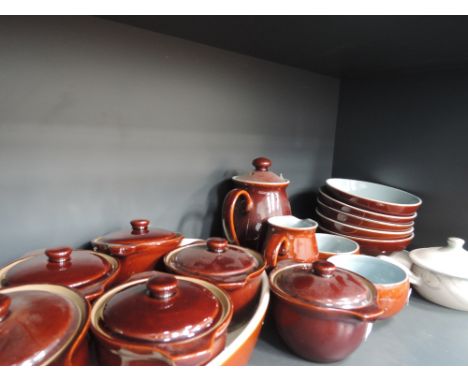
(330,201)
(161,319)
(258,196)
(366,233)
(88,272)
(234,269)
(348,218)
(323,313)
(392,282)
(290,238)
(373,196)
(43,324)
(139,249)
(375,246)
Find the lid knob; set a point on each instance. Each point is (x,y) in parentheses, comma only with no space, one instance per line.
(455,242)
(162,286)
(5,302)
(59,254)
(216,244)
(323,268)
(140,226)
(261,164)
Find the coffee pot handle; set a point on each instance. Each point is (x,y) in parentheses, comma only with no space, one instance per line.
(229,205)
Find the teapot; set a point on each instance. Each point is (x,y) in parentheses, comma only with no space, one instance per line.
(258,196)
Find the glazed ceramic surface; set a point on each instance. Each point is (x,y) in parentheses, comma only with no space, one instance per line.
(392,283)
(366,233)
(161,319)
(325,198)
(258,196)
(322,312)
(43,324)
(139,249)
(290,238)
(90,273)
(373,196)
(236,270)
(375,246)
(439,274)
(331,245)
(361,222)
(241,339)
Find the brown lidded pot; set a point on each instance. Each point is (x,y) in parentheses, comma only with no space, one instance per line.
(258,196)
(323,313)
(43,324)
(139,249)
(88,272)
(161,319)
(235,269)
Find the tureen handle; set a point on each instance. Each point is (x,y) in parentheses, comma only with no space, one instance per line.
(402,260)
(228,212)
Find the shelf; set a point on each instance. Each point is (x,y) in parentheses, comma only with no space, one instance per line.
(422,334)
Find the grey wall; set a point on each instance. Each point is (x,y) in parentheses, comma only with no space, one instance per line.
(410,132)
(101,123)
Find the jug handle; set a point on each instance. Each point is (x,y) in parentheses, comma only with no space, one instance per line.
(273,248)
(228,212)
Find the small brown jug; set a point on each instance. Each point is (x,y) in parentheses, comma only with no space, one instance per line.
(290,238)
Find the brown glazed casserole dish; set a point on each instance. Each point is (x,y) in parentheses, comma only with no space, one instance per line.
(161,319)
(88,272)
(43,324)
(235,269)
(139,249)
(323,313)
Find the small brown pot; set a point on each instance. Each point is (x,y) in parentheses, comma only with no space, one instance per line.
(161,319)
(43,324)
(323,313)
(138,250)
(235,269)
(88,272)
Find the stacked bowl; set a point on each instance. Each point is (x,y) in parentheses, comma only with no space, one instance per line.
(378,217)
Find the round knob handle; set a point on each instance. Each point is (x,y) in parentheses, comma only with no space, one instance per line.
(5,302)
(59,254)
(216,244)
(455,242)
(261,164)
(140,226)
(162,286)
(323,268)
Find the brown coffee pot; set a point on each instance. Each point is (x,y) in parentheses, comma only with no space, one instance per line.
(246,209)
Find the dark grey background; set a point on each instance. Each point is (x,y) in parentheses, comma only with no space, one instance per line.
(410,132)
(102,122)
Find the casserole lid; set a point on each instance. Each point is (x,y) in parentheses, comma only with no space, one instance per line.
(451,260)
(61,265)
(261,174)
(125,241)
(163,309)
(215,260)
(38,322)
(323,284)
